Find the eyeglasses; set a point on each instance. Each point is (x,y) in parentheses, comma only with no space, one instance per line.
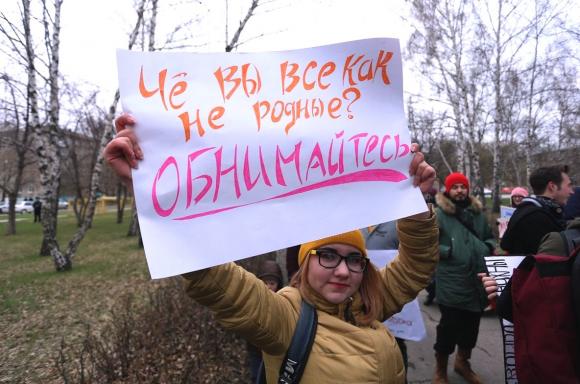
(329,258)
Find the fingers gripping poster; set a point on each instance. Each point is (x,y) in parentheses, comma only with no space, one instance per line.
(246,153)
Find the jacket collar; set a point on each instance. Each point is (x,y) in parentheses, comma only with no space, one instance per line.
(447,205)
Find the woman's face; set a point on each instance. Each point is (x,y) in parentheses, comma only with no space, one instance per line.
(517,200)
(334,284)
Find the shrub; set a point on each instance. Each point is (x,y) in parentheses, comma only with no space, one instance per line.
(167,338)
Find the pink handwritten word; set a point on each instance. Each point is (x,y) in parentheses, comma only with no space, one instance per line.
(294,169)
(385,175)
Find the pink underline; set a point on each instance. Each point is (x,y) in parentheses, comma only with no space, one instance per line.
(383,175)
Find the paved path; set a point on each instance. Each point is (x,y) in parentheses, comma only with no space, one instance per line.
(487,359)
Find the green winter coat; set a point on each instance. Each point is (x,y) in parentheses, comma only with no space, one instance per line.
(462,255)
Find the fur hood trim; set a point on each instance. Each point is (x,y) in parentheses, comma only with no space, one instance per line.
(448,207)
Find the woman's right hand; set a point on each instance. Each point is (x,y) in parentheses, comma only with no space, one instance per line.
(123,152)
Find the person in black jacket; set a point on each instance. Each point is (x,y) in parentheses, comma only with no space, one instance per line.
(535,217)
(37,205)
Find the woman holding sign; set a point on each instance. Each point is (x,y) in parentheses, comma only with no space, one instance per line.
(350,295)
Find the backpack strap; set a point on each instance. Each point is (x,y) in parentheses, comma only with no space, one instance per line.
(467,225)
(296,358)
(531,201)
(571,240)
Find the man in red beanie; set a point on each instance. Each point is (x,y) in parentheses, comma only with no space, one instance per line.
(464,239)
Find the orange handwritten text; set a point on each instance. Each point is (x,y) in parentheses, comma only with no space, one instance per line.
(176,89)
(169,97)
(291,78)
(291,111)
(231,78)
(359,68)
(214,114)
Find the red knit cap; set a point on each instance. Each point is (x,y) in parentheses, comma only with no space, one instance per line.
(456,178)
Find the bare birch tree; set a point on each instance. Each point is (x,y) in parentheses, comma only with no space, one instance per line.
(43,135)
(503,33)
(148,39)
(106,136)
(544,20)
(443,42)
(15,141)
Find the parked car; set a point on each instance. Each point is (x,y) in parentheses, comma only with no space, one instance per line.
(23,206)
(62,204)
(3,207)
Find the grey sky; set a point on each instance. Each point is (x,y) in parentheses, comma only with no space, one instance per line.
(92,31)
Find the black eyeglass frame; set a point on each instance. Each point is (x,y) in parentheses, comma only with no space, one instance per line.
(317,252)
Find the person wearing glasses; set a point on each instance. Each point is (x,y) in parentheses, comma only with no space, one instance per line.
(352,296)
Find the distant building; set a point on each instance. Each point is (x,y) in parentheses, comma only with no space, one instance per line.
(78,156)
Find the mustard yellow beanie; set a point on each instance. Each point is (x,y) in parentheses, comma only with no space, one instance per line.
(354,238)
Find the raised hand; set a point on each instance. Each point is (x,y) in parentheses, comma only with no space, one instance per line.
(423,174)
(123,152)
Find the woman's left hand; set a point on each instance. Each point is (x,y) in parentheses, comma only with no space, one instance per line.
(423,174)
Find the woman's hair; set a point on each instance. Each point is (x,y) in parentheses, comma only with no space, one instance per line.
(369,290)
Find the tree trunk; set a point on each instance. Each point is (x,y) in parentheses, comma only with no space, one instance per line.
(107,135)
(134,229)
(121,201)
(499,113)
(134,224)
(11,225)
(20,144)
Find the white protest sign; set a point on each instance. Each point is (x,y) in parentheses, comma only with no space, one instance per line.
(501,268)
(407,324)
(505,213)
(249,153)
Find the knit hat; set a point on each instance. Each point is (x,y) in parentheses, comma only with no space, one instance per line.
(269,268)
(519,191)
(354,238)
(456,178)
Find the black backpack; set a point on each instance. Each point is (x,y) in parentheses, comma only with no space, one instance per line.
(296,358)
(542,300)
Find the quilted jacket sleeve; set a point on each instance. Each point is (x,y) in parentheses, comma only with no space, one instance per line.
(411,270)
(243,304)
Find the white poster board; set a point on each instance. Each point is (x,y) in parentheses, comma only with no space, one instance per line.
(407,324)
(502,268)
(505,213)
(249,153)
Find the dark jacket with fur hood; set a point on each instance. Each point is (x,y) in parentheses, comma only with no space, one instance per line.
(464,239)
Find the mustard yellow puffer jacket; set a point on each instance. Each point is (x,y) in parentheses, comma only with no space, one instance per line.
(342,352)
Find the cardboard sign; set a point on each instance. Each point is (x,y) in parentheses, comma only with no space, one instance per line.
(502,268)
(249,153)
(407,324)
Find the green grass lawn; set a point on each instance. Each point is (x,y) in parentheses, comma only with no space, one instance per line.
(39,307)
